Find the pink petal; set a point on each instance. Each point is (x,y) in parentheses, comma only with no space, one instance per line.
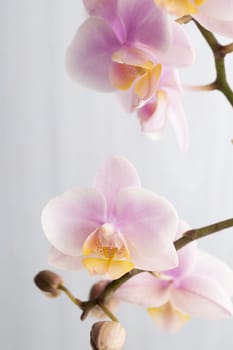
(149,224)
(153,114)
(178,118)
(65,262)
(102,8)
(145,23)
(129,100)
(108,10)
(212,267)
(187,256)
(180,53)
(218,26)
(115,174)
(144,289)
(202,297)
(218,9)
(67,220)
(90,54)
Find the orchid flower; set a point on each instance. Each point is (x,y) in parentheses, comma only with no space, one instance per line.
(112,227)
(215,15)
(128,47)
(201,286)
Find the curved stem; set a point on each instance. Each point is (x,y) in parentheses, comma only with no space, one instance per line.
(70,295)
(219,51)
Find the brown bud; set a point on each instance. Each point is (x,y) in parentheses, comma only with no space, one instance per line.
(48,282)
(107,335)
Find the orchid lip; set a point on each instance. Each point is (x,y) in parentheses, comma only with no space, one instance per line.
(105,251)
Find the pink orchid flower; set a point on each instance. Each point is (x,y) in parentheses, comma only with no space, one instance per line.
(126,46)
(112,227)
(215,15)
(201,286)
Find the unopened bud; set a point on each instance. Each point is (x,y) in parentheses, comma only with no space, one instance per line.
(107,335)
(48,282)
(110,302)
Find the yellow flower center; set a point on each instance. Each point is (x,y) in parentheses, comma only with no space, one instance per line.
(180,7)
(132,67)
(106,252)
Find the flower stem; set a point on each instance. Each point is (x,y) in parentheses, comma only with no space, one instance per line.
(195,234)
(70,295)
(219,52)
(108,312)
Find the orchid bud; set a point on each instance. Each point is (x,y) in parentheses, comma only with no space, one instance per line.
(107,335)
(48,282)
(110,302)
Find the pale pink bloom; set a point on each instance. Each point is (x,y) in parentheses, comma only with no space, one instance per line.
(165,104)
(125,46)
(215,15)
(201,286)
(113,226)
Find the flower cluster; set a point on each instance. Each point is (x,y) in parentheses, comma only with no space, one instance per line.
(116,228)
(134,48)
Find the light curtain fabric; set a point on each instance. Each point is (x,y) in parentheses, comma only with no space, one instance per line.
(54,134)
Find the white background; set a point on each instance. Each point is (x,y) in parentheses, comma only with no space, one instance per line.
(54,134)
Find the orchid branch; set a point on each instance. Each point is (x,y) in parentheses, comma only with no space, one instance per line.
(87,306)
(219,52)
(187,237)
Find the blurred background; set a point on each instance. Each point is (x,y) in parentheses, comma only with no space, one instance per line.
(54,134)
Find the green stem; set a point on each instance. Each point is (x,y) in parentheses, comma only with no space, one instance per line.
(70,295)
(195,234)
(108,312)
(219,52)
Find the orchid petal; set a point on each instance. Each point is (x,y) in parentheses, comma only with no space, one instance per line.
(149,225)
(146,85)
(108,10)
(222,10)
(167,318)
(144,289)
(187,256)
(212,267)
(202,297)
(102,8)
(122,76)
(90,54)
(128,99)
(115,174)
(216,25)
(153,114)
(63,261)
(114,269)
(145,23)
(67,220)
(180,53)
(178,118)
